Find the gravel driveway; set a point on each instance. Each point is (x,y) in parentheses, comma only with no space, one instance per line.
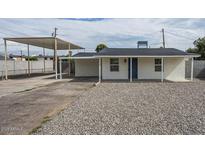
(134,108)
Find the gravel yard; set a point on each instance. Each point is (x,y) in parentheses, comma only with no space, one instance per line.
(134,108)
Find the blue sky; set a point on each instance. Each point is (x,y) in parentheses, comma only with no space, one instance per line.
(117,32)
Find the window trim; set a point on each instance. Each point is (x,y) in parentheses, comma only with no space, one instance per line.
(111,65)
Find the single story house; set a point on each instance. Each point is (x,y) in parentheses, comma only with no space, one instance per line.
(133,64)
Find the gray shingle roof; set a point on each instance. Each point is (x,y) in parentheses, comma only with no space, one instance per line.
(84,54)
(142,52)
(136,52)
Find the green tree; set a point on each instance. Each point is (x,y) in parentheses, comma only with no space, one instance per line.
(191,50)
(199,48)
(100,47)
(32,58)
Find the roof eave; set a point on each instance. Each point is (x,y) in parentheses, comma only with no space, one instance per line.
(91,57)
(122,56)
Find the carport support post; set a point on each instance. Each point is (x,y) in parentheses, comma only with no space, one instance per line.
(69,65)
(56,60)
(192,67)
(162,69)
(44,62)
(29,73)
(131,69)
(100,69)
(60,69)
(5,60)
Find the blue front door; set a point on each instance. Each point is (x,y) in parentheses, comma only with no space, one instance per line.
(134,68)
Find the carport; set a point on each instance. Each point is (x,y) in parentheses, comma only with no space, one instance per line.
(86,64)
(44,42)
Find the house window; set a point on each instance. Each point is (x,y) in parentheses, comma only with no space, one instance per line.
(158,65)
(114,65)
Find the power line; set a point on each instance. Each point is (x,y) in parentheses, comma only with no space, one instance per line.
(151,33)
(27,27)
(31,28)
(194,34)
(9,34)
(140,34)
(3,33)
(178,35)
(155,43)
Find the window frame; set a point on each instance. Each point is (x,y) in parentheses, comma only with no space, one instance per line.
(114,65)
(156,65)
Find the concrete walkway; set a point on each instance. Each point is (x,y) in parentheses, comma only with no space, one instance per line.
(7,87)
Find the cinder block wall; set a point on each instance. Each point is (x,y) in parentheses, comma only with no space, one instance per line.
(21,67)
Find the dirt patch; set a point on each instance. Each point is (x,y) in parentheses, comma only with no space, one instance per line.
(24,112)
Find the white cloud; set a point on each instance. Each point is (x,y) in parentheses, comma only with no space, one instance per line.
(113,32)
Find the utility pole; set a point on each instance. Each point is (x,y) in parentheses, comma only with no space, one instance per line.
(21,55)
(55,32)
(163,39)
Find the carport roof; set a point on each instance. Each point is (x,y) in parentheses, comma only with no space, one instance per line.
(45,42)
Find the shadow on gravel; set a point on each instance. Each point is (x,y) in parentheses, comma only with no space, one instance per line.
(24,76)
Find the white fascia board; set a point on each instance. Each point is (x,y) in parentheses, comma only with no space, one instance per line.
(125,56)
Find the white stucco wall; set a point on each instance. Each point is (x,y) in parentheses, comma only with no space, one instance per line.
(86,67)
(146,69)
(123,69)
(174,69)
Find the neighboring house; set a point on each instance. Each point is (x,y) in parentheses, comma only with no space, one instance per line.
(133,64)
(17,57)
